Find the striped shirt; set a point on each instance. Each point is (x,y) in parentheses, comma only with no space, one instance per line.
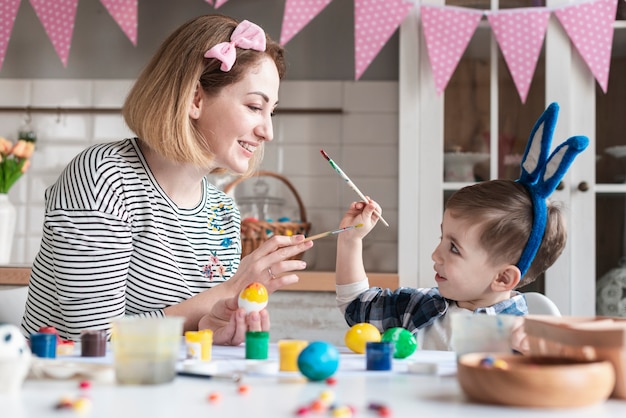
(114,244)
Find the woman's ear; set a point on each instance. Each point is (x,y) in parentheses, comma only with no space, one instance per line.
(507,279)
(196,103)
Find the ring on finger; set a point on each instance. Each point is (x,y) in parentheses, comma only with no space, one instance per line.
(272,276)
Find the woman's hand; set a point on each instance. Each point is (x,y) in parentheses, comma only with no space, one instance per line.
(270,264)
(230,324)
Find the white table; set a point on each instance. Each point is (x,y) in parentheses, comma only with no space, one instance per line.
(280,394)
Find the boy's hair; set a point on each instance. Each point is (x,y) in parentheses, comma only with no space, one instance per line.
(504,211)
(157,107)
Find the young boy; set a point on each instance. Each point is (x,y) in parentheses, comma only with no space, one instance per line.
(496,236)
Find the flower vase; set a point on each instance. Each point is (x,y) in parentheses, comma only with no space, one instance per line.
(8,216)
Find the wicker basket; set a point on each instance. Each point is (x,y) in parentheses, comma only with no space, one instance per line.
(581,338)
(256,232)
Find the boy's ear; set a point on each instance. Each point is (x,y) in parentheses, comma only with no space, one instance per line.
(507,279)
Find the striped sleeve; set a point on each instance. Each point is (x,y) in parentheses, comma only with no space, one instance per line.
(86,248)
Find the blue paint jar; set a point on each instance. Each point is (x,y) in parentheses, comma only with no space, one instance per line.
(379,355)
(43,345)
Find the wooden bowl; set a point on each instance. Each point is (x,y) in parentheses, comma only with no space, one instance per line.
(535,381)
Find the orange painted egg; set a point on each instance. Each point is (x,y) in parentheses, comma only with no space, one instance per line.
(253,298)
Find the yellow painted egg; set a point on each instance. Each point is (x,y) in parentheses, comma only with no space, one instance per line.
(359,335)
(253,298)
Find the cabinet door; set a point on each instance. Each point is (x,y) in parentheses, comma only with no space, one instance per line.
(610,168)
(570,283)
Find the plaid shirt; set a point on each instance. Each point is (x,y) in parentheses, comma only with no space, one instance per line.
(413,308)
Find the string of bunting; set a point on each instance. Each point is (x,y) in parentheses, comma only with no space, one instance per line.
(519,32)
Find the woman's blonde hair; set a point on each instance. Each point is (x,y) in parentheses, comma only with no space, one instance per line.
(157,107)
(504,211)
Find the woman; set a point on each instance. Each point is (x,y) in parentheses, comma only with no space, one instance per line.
(134,227)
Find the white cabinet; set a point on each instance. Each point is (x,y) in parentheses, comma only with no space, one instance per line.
(561,76)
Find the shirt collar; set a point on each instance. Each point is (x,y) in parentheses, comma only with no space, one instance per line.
(516,305)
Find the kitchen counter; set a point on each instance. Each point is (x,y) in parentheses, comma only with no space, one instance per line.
(14,275)
(312,281)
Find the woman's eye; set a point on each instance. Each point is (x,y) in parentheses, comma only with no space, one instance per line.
(255,108)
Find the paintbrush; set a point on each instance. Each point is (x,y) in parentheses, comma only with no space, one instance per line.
(328,233)
(350,183)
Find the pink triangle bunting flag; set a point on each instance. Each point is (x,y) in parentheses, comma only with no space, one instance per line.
(218,3)
(590,28)
(124,12)
(520,34)
(448,31)
(8,12)
(210,2)
(374,23)
(57,19)
(298,14)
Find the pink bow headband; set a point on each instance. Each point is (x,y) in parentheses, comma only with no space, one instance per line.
(247,35)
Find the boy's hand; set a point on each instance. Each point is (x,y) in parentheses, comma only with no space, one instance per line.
(360,213)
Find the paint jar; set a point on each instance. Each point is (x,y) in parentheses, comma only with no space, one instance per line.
(288,351)
(93,343)
(379,355)
(199,344)
(43,345)
(145,350)
(257,345)
(481,333)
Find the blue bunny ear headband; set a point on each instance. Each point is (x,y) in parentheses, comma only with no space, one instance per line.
(542,172)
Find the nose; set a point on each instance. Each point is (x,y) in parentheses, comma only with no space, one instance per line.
(435,255)
(265,129)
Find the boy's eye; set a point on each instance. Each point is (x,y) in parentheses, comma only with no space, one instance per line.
(454,249)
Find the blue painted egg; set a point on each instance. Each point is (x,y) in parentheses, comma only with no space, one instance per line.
(319,360)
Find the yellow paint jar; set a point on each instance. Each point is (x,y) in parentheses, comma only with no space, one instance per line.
(288,351)
(199,344)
